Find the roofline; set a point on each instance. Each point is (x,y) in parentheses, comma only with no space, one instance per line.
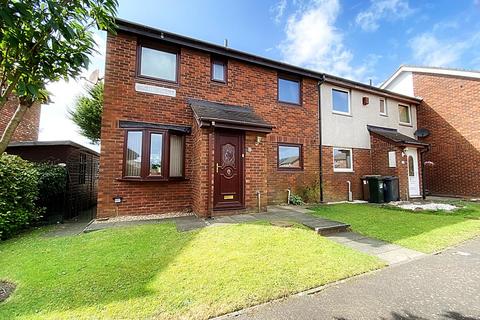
(51,143)
(431,70)
(147,31)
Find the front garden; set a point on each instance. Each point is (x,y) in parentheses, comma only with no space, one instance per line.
(153,271)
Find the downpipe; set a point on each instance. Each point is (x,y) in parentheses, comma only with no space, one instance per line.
(259,202)
(350,194)
(289,192)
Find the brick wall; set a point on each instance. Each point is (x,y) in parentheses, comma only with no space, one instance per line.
(450,110)
(247,85)
(335,183)
(28,129)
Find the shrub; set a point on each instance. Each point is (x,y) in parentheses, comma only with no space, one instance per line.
(52,186)
(296,200)
(18,193)
(311,193)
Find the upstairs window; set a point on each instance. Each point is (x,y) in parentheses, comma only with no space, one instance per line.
(290,157)
(159,64)
(383,107)
(289,90)
(153,154)
(404,114)
(342,160)
(340,101)
(219,70)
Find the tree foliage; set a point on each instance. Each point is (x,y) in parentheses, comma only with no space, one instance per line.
(42,41)
(88,112)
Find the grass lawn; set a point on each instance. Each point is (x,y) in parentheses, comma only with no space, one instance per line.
(426,231)
(153,271)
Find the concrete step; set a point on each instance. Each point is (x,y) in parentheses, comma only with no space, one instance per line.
(328,230)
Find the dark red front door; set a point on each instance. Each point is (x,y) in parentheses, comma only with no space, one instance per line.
(228,170)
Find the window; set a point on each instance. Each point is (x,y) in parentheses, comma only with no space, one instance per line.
(219,70)
(288,90)
(392,159)
(158,64)
(340,101)
(154,154)
(290,157)
(404,114)
(383,107)
(82,168)
(411,168)
(342,160)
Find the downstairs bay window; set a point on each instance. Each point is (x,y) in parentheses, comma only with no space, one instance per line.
(153,154)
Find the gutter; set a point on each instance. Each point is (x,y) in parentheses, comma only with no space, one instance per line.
(320,151)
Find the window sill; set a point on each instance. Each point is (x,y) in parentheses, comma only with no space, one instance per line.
(343,171)
(342,113)
(289,170)
(218,82)
(384,115)
(288,104)
(155,81)
(126,179)
(406,124)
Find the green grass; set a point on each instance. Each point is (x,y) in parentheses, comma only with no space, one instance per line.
(426,231)
(153,271)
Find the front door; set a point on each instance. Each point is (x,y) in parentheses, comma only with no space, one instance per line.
(228,170)
(413,177)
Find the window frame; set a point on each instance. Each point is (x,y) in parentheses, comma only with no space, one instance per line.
(384,105)
(409,108)
(145,163)
(347,91)
(285,144)
(351,160)
(223,61)
(159,47)
(293,79)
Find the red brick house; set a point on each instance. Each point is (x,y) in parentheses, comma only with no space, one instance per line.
(449,110)
(28,129)
(193,126)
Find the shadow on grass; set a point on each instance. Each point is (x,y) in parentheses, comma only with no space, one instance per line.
(60,274)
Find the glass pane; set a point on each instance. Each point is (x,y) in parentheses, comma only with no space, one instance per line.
(288,157)
(342,159)
(218,71)
(404,114)
(411,170)
(382,106)
(134,154)
(288,91)
(176,156)
(156,144)
(340,101)
(158,64)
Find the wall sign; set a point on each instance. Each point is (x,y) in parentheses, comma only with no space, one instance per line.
(146,88)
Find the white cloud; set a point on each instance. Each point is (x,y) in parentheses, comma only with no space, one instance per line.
(55,123)
(313,41)
(278,10)
(369,19)
(428,49)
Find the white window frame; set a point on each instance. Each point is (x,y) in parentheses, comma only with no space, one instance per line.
(349,113)
(409,114)
(351,160)
(385,105)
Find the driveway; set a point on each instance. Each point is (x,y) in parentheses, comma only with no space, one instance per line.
(442,286)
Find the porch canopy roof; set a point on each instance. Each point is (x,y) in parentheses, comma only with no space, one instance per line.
(395,137)
(214,114)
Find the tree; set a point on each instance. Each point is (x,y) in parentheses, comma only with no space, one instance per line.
(42,41)
(88,113)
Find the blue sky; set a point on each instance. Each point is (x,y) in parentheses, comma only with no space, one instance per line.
(360,40)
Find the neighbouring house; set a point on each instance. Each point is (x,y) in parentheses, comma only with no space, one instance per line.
(28,128)
(82,167)
(192,126)
(450,112)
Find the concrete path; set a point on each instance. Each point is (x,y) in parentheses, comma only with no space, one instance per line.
(442,286)
(390,253)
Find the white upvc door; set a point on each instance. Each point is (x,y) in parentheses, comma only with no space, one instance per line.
(413,176)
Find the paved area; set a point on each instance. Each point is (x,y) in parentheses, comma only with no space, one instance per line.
(274,213)
(442,286)
(74,226)
(390,253)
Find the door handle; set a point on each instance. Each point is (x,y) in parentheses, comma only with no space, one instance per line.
(216,167)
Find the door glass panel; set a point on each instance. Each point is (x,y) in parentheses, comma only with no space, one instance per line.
(411,170)
(156,144)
